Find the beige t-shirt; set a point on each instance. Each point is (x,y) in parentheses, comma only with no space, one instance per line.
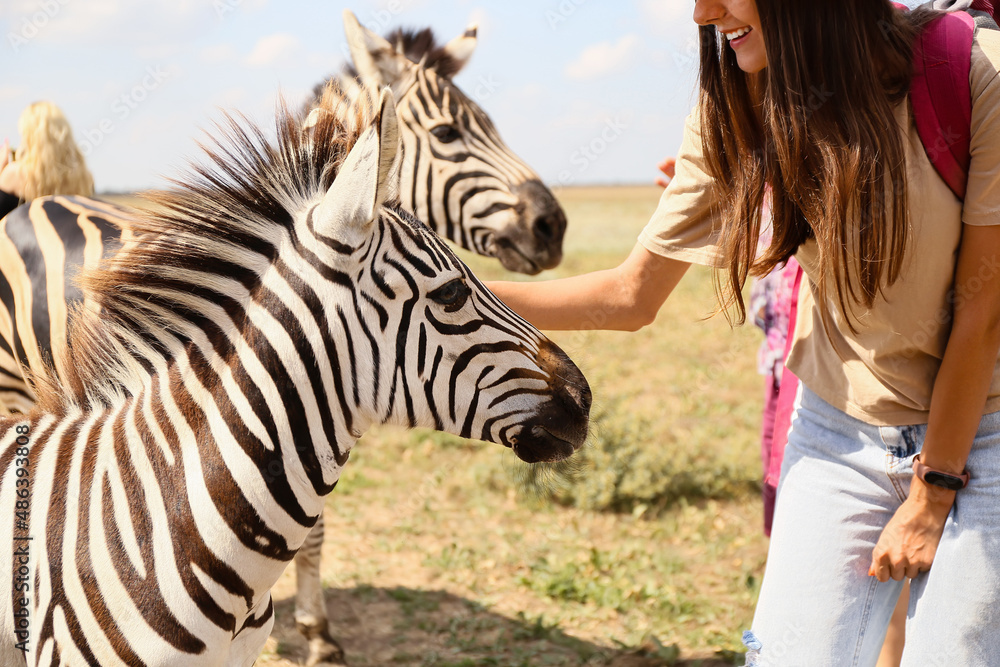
(884,373)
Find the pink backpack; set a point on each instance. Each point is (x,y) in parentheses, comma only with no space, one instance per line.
(942,112)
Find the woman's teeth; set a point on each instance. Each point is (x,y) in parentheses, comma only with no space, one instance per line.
(736,34)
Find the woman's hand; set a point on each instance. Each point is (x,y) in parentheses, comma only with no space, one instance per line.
(4,153)
(668,167)
(910,540)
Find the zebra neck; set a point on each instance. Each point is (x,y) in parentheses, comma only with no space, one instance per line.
(254,475)
(275,436)
(192,510)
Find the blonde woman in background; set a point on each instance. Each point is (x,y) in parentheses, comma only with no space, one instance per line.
(48,162)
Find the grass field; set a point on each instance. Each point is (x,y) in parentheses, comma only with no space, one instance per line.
(439,551)
(449,553)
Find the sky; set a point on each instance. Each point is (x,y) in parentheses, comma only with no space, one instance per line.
(585,91)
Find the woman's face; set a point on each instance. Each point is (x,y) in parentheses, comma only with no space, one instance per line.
(738,23)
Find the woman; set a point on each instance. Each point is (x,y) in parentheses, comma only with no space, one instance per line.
(48,162)
(899,327)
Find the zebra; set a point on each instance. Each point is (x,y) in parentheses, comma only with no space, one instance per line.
(280,304)
(43,246)
(494,204)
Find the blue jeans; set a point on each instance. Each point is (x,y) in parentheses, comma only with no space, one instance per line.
(841,482)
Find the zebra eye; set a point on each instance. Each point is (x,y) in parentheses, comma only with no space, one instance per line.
(452,295)
(446,133)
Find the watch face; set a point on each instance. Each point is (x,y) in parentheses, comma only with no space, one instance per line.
(941,479)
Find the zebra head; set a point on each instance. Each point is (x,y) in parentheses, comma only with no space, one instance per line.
(457,174)
(423,342)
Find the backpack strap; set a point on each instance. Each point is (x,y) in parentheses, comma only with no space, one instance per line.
(941,97)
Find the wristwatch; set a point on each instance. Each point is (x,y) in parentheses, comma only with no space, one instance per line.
(940,478)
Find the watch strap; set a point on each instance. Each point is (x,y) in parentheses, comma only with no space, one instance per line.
(940,478)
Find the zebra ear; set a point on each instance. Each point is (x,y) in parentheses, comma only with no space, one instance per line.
(364,182)
(373,56)
(460,49)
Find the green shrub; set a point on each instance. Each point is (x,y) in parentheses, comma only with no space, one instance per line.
(629,465)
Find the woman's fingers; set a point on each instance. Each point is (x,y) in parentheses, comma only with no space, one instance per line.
(885,566)
(880,569)
(669,168)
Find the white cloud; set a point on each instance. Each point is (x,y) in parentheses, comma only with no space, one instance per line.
(159,52)
(64,21)
(20,9)
(274,49)
(605,58)
(148,24)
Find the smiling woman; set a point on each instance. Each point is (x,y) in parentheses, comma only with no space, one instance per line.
(884,243)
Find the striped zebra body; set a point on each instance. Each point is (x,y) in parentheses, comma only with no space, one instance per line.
(274,310)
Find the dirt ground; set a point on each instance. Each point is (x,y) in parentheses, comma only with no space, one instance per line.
(411,615)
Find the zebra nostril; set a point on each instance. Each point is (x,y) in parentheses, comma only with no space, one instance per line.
(544,229)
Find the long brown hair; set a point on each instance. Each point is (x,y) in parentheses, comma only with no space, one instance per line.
(817,126)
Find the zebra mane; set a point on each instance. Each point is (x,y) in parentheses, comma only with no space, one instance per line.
(221,225)
(417,45)
(422,46)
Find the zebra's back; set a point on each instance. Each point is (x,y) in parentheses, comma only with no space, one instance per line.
(43,247)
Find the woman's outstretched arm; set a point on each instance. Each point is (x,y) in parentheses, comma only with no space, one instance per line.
(625,298)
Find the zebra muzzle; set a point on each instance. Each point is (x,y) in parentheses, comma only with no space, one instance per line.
(561,425)
(535,444)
